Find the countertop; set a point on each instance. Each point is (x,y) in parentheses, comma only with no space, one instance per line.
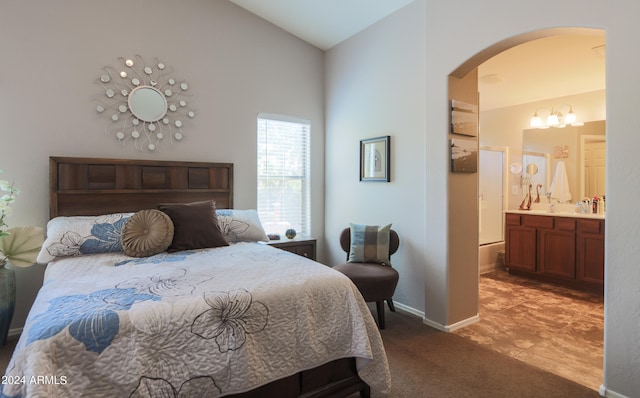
(536,212)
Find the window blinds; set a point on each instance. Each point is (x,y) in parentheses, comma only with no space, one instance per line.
(283,173)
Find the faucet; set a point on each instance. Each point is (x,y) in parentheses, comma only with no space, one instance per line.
(552,206)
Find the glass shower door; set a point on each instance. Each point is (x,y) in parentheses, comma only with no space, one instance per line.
(491,191)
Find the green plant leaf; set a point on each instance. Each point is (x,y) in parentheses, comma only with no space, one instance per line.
(22,245)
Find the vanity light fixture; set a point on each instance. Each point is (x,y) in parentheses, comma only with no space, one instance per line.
(555,118)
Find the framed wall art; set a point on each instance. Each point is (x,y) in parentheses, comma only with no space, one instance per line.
(464,156)
(464,118)
(374,159)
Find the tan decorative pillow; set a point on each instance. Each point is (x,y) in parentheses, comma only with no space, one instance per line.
(146,233)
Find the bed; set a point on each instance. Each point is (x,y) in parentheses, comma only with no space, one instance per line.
(239,320)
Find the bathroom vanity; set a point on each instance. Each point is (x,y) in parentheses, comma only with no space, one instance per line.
(564,248)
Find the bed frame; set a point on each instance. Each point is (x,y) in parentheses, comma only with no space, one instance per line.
(89,186)
(84,186)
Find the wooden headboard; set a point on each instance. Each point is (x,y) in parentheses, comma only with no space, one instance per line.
(87,186)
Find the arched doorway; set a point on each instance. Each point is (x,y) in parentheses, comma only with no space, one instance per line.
(462,83)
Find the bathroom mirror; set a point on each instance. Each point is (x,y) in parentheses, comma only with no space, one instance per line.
(581,148)
(147,104)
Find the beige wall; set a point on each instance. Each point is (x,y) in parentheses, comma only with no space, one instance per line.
(463,223)
(373,88)
(459,35)
(236,65)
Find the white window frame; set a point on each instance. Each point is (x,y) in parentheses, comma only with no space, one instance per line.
(287,203)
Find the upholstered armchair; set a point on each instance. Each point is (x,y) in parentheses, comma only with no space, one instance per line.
(376,281)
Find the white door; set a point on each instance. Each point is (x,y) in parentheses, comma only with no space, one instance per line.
(539,180)
(595,166)
(491,196)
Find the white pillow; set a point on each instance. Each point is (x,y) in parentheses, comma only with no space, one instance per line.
(78,235)
(241,225)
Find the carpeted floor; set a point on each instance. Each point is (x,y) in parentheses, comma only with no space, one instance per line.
(427,363)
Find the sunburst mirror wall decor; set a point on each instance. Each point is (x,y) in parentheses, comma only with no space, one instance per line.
(146,103)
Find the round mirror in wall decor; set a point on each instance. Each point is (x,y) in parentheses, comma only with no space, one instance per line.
(145,103)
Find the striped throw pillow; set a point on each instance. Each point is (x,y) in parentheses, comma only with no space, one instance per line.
(369,244)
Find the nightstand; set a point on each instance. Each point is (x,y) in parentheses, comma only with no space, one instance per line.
(305,247)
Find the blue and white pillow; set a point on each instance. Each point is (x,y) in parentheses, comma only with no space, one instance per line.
(79,235)
(241,225)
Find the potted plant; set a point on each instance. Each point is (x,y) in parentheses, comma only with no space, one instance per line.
(18,247)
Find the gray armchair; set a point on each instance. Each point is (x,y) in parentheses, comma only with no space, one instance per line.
(376,282)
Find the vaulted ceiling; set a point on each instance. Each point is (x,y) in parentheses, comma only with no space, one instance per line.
(552,67)
(323,23)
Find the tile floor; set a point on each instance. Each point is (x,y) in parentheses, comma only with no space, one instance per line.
(554,328)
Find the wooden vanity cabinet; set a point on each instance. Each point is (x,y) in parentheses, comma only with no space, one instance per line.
(557,248)
(565,249)
(590,251)
(520,239)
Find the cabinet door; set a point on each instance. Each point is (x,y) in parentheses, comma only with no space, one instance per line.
(520,251)
(590,251)
(557,253)
(590,261)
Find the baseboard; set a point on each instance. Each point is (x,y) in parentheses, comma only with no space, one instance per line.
(408,309)
(610,394)
(485,268)
(453,327)
(490,257)
(436,325)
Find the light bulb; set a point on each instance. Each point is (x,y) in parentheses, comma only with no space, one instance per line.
(570,117)
(535,121)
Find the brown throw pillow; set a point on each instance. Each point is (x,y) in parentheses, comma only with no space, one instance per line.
(195,225)
(146,233)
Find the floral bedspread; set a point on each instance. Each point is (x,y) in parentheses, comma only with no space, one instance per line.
(197,323)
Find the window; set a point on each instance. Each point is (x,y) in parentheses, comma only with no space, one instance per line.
(283,173)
